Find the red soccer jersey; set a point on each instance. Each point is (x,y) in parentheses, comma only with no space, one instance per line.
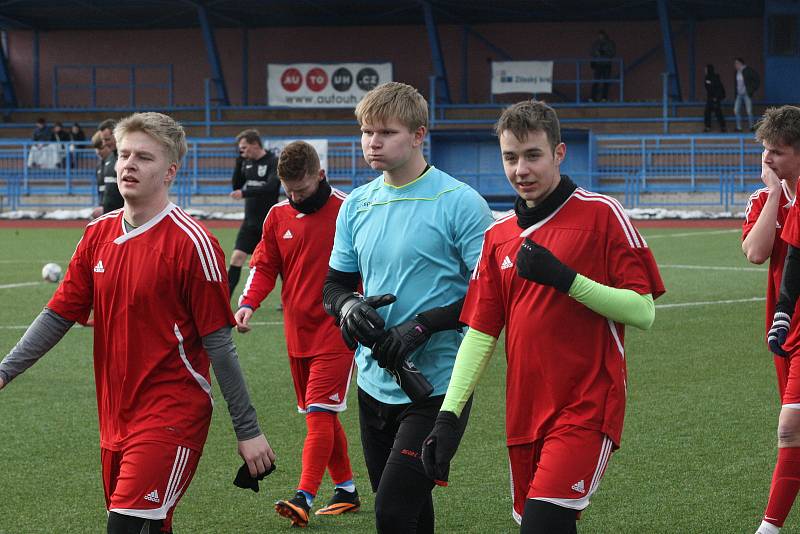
(566,363)
(297,247)
(778,255)
(156,291)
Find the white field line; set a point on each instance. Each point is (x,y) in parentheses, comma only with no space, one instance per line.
(21,284)
(25,326)
(709,303)
(712,267)
(690,234)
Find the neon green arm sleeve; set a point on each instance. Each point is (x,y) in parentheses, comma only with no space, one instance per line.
(474,353)
(620,305)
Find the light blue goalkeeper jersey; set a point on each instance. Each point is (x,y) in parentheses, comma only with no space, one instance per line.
(419,242)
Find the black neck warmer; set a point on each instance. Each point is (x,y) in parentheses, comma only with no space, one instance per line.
(315,202)
(527,217)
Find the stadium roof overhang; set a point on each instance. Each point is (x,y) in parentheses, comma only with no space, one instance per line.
(104,14)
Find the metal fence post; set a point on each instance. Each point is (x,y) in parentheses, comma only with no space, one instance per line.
(207,84)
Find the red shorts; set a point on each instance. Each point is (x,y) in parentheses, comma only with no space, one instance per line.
(322,381)
(791,391)
(782,372)
(147,479)
(563,468)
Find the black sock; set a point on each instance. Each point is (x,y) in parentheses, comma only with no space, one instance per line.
(541,517)
(234,273)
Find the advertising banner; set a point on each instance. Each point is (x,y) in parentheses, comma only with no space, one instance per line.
(323,85)
(522,77)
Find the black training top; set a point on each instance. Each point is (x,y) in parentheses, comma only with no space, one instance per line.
(258,180)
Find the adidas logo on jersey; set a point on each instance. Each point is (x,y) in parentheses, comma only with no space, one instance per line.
(288,234)
(334,397)
(579,487)
(152,497)
(99,267)
(507,264)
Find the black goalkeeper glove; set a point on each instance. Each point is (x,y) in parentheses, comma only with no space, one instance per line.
(778,332)
(537,264)
(359,321)
(400,341)
(440,446)
(245,481)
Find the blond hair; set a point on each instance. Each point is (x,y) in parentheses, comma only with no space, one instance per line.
(163,128)
(393,100)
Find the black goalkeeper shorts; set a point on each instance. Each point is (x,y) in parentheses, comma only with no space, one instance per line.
(248,237)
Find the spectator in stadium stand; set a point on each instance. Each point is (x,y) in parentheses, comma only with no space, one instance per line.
(42,132)
(60,135)
(603,50)
(296,244)
(715,94)
(77,135)
(101,149)
(411,236)
(154,277)
(564,309)
(746,82)
(771,231)
(112,200)
(255,180)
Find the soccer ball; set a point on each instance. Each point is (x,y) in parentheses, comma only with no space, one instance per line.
(51,272)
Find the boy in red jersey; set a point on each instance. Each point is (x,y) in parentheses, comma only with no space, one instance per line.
(296,244)
(775,234)
(156,281)
(563,274)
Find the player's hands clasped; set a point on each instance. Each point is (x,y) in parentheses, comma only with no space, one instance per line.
(257,454)
(776,336)
(537,264)
(399,342)
(440,446)
(360,323)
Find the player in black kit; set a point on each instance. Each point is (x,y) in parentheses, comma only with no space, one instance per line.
(112,200)
(255,179)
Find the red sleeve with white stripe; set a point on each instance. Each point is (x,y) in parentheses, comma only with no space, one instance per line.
(265,266)
(631,264)
(74,296)
(206,282)
(754,206)
(483,307)
(791,227)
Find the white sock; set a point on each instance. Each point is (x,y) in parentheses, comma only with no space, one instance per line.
(768,528)
(349,486)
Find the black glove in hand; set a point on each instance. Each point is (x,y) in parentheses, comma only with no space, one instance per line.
(537,264)
(778,332)
(245,481)
(399,342)
(359,321)
(440,446)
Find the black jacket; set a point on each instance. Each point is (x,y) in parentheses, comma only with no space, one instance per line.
(260,186)
(751,80)
(714,88)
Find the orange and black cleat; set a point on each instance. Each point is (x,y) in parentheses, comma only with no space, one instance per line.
(296,509)
(342,502)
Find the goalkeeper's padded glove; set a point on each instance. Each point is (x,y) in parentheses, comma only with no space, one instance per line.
(359,322)
(400,341)
(245,481)
(440,446)
(776,336)
(537,264)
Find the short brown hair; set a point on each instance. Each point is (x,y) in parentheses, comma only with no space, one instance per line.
(97,140)
(780,126)
(163,128)
(298,159)
(529,116)
(394,100)
(251,136)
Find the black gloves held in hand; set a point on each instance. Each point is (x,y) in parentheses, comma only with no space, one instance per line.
(245,481)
